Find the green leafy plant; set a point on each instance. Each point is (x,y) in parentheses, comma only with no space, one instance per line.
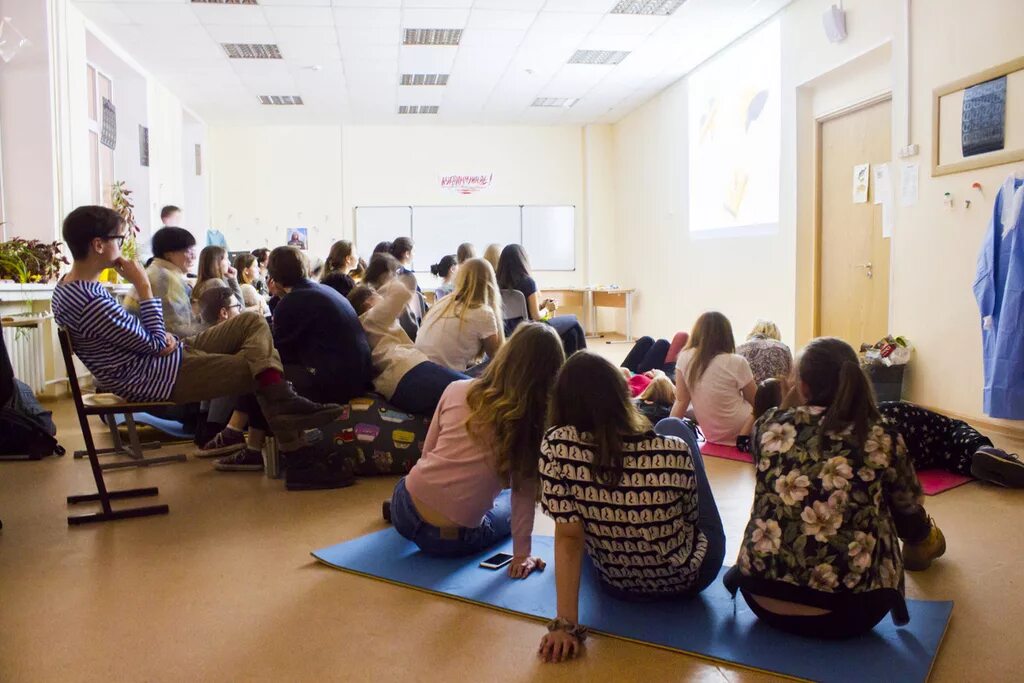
(28,261)
(121,202)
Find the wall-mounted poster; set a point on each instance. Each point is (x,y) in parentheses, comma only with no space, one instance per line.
(298,238)
(108,134)
(984,117)
(144,145)
(466,184)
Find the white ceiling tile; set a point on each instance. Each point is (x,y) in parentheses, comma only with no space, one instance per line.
(434,18)
(292,3)
(499,19)
(365,3)
(104,13)
(369,53)
(588,6)
(314,35)
(241,34)
(611,42)
(370,36)
(492,41)
(526,5)
(359,17)
(629,24)
(409,4)
(424,59)
(299,16)
(160,15)
(563,23)
(230,15)
(305,53)
(420,96)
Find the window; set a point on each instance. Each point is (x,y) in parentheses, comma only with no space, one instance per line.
(101,158)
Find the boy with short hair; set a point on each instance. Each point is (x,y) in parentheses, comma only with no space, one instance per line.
(170,216)
(137,359)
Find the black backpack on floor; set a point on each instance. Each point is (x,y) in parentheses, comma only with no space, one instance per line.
(26,428)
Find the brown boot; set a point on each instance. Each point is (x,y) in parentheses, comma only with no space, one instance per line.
(286,411)
(918,556)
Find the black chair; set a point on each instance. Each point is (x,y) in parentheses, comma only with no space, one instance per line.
(104,408)
(514,309)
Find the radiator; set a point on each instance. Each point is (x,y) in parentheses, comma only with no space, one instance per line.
(23,337)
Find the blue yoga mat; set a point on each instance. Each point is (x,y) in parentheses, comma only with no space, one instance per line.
(172,427)
(712,625)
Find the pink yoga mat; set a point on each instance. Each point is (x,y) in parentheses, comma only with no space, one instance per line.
(933,482)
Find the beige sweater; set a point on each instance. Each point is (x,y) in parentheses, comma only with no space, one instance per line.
(391,349)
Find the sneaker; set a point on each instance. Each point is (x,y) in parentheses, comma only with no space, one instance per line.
(996,466)
(918,556)
(226,440)
(287,411)
(319,466)
(245,460)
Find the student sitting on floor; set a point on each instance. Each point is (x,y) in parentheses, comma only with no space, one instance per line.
(483,441)
(465,252)
(174,253)
(716,380)
(446,269)
(404,374)
(638,500)
(492,254)
(514,273)
(262,254)
(462,327)
(835,490)
(218,304)
(215,270)
(137,359)
(248,270)
(933,440)
(342,260)
(765,352)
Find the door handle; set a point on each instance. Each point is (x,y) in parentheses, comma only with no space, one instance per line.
(869,269)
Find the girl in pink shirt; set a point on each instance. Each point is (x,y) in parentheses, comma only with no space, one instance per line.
(476,481)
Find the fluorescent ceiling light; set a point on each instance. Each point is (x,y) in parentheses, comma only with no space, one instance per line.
(598,56)
(251,51)
(432,36)
(280,99)
(660,8)
(418,109)
(564,102)
(224,2)
(424,79)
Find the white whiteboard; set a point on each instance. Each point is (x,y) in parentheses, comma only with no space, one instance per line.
(439,230)
(547,233)
(379,223)
(549,237)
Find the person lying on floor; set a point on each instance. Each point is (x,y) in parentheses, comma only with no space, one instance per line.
(716,381)
(650,354)
(636,499)
(476,481)
(656,400)
(404,374)
(835,491)
(933,441)
(137,359)
(765,352)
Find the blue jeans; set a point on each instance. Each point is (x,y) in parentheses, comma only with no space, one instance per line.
(708,519)
(494,527)
(419,391)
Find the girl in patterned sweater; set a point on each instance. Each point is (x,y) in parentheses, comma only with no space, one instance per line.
(638,500)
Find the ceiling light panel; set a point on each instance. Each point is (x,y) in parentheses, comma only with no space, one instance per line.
(224,2)
(661,8)
(251,50)
(415,109)
(280,99)
(598,57)
(423,79)
(432,36)
(563,102)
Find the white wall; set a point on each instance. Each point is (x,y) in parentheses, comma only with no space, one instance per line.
(30,180)
(195,202)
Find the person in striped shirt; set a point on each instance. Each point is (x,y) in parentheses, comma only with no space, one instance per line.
(137,359)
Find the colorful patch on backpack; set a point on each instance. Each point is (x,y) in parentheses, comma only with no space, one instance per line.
(345,436)
(346,412)
(366,433)
(402,439)
(392,415)
(382,460)
(361,404)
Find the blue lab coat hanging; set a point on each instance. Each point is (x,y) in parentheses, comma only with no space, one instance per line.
(999,290)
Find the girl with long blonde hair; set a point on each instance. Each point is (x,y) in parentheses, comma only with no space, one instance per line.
(467,323)
(716,380)
(477,480)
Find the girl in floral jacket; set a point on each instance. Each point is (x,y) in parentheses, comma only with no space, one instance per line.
(835,491)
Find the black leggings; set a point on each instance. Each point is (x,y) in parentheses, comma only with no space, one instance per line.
(933,440)
(648,354)
(859,618)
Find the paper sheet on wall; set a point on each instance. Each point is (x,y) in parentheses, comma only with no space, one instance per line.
(883,183)
(909,175)
(888,217)
(861,178)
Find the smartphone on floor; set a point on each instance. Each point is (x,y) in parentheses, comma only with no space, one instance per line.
(496,561)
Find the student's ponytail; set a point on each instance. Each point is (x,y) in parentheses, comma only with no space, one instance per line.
(832,373)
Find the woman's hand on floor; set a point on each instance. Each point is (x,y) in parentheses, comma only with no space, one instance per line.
(558,646)
(521,567)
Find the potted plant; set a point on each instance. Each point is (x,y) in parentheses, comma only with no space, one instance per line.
(121,202)
(30,261)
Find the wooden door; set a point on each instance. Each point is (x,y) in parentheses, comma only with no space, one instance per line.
(853,295)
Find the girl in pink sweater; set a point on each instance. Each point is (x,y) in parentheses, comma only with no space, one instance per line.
(476,481)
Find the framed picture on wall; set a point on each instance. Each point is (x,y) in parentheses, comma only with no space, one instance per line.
(143,145)
(108,132)
(978,121)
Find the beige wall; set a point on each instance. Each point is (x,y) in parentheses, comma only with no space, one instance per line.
(934,248)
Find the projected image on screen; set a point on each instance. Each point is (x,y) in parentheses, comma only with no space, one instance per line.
(734,138)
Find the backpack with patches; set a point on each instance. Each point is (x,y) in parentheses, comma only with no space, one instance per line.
(27,428)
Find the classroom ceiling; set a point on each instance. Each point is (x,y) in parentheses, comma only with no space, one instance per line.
(346,59)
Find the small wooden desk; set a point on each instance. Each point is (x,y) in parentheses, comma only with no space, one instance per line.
(588,299)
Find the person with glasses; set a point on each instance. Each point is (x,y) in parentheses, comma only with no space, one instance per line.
(140,361)
(218,304)
(174,254)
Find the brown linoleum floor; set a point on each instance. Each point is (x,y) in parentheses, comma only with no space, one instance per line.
(224,588)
